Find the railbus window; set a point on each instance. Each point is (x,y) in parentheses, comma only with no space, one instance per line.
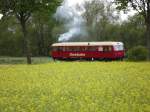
(71,49)
(100,49)
(107,48)
(55,48)
(74,49)
(63,49)
(77,49)
(60,48)
(67,49)
(83,49)
(92,48)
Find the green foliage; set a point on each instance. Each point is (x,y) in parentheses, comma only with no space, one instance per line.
(131,32)
(75,87)
(27,6)
(23,10)
(22,60)
(122,4)
(143,8)
(99,17)
(138,53)
(10,38)
(43,30)
(37,33)
(132,37)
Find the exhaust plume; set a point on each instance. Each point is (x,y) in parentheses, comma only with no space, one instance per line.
(70,13)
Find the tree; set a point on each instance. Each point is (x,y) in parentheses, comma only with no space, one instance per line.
(98,16)
(143,8)
(43,24)
(23,10)
(10,38)
(133,32)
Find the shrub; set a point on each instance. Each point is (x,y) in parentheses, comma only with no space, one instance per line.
(138,53)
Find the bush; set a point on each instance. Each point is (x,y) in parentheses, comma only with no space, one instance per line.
(138,53)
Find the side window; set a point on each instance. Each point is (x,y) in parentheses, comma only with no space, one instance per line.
(100,49)
(60,48)
(68,48)
(77,48)
(92,48)
(72,49)
(82,49)
(63,49)
(119,47)
(54,48)
(107,48)
(86,49)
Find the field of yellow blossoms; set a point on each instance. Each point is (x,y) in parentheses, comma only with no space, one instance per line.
(75,87)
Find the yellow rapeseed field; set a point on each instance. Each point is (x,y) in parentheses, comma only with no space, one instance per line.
(75,87)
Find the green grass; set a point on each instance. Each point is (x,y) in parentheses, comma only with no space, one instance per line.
(22,60)
(75,87)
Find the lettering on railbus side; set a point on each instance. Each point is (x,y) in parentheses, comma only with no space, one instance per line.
(76,54)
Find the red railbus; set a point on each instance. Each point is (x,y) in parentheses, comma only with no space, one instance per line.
(88,50)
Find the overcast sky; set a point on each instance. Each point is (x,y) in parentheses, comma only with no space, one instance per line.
(122,14)
(74,2)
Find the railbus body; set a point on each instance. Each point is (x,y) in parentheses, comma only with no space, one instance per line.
(88,50)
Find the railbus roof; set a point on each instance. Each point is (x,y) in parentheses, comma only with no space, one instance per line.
(86,44)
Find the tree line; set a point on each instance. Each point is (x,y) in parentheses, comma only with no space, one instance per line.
(28,27)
